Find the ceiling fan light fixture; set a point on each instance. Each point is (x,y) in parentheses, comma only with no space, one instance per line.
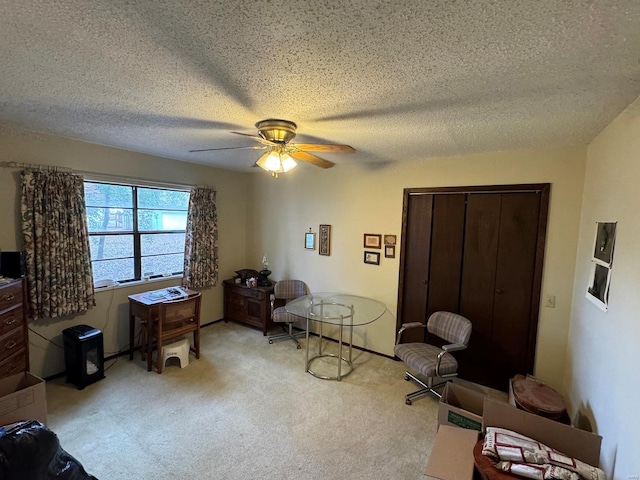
(276,162)
(275,130)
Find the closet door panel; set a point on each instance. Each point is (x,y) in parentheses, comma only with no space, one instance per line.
(446,253)
(514,281)
(479,261)
(415,281)
(477,285)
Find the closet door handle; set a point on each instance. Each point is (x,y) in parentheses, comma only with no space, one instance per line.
(498,291)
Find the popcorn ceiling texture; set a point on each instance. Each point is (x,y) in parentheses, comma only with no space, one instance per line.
(397,80)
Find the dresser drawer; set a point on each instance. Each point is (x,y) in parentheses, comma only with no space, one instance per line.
(11,342)
(16,363)
(10,295)
(10,319)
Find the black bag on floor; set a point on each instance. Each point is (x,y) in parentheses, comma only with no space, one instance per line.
(30,451)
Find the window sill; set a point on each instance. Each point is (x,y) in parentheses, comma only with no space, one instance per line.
(137,283)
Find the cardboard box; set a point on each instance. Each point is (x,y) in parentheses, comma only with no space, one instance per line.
(452,454)
(462,405)
(569,440)
(22,397)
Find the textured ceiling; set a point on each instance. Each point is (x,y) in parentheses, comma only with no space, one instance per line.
(398,80)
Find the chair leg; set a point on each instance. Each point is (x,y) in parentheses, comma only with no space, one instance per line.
(159,360)
(427,388)
(196,341)
(143,343)
(288,335)
(149,347)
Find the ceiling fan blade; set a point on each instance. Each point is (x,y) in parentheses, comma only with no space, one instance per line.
(311,158)
(318,147)
(257,139)
(252,147)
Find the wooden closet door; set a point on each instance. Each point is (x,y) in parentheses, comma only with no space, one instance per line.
(477,286)
(512,319)
(447,237)
(477,251)
(415,252)
(497,285)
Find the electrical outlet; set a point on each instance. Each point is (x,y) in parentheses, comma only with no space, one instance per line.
(550,301)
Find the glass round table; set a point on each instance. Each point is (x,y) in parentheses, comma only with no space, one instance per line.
(338,309)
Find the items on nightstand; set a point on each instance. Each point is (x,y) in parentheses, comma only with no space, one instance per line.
(263,279)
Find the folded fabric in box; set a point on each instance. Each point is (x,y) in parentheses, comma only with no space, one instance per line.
(529,458)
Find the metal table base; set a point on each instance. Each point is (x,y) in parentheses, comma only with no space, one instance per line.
(348,361)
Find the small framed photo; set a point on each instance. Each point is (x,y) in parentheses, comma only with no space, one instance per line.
(310,241)
(604,242)
(324,241)
(389,240)
(372,240)
(372,258)
(390,251)
(598,291)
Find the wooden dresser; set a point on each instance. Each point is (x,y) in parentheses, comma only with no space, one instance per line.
(248,305)
(14,340)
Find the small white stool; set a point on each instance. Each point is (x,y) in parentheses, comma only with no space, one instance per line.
(178,349)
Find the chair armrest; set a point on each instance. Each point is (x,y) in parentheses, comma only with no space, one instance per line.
(407,326)
(454,347)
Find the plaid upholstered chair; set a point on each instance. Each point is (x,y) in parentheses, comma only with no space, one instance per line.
(284,291)
(433,362)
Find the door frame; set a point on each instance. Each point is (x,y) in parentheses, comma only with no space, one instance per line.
(544,189)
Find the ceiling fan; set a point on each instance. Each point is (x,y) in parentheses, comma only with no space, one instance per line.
(274,136)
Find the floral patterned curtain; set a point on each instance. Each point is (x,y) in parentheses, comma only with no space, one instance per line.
(56,241)
(201,240)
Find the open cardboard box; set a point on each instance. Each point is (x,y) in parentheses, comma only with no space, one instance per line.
(462,405)
(569,440)
(22,397)
(452,452)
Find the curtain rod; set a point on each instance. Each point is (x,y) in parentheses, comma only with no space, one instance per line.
(36,167)
(105,177)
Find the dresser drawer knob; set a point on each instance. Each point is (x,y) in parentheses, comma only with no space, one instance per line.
(10,321)
(10,345)
(7,297)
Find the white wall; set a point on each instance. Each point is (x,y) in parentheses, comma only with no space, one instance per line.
(111,312)
(603,362)
(368,199)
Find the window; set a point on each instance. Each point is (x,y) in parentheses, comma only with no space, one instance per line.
(135,231)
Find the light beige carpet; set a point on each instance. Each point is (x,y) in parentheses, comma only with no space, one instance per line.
(245,410)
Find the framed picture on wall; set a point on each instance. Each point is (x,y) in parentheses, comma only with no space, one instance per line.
(389,239)
(372,240)
(390,251)
(601,263)
(324,242)
(604,242)
(310,241)
(372,258)
(598,291)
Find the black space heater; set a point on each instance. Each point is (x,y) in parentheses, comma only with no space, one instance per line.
(83,355)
